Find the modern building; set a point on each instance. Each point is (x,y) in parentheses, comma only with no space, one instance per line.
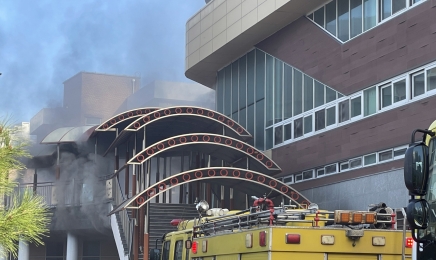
(71,169)
(332,88)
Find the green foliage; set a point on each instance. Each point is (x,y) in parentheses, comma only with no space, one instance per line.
(26,217)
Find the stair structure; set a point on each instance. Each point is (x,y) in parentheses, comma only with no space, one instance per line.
(160,217)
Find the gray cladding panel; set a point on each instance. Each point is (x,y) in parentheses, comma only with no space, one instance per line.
(357,194)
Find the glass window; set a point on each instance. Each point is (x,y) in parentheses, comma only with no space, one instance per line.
(235,86)
(369,14)
(298,177)
(310,16)
(243,118)
(278,91)
(398,5)
(220,92)
(386,8)
(298,127)
(319,94)
(308,93)
(242,82)
(400,151)
(307,175)
(166,250)
(330,169)
(319,17)
(431,79)
(91,248)
(288,131)
(235,116)
(289,179)
(298,92)
(320,172)
(269,90)
(287,92)
(330,17)
(54,249)
(384,156)
(344,166)
(278,134)
(260,75)
(418,84)
(250,120)
(260,125)
(369,101)
(385,96)
(344,111)
(343,20)
(355,163)
(399,90)
(356,106)
(250,77)
(370,159)
(340,95)
(178,250)
(228,91)
(319,120)
(330,95)
(308,124)
(356,17)
(331,116)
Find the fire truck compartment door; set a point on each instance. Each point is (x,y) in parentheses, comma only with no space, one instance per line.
(351,257)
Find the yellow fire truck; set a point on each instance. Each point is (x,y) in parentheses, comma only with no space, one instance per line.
(266,231)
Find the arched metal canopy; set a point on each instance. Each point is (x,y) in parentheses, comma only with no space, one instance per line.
(230,150)
(164,123)
(227,148)
(247,176)
(68,135)
(126,117)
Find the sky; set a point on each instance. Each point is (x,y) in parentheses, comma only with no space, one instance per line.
(43,43)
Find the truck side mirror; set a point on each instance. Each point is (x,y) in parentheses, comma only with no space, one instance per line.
(416,169)
(417,214)
(155,254)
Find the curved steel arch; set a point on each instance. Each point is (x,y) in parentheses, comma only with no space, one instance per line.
(188,111)
(111,122)
(173,181)
(203,138)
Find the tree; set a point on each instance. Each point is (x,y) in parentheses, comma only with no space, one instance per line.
(24,216)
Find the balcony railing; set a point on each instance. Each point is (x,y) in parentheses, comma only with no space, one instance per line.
(70,193)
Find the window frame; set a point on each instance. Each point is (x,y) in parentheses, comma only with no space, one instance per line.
(376,159)
(381,98)
(334,125)
(343,164)
(384,151)
(398,149)
(412,84)
(333,164)
(358,117)
(307,171)
(322,175)
(297,176)
(289,182)
(401,102)
(355,159)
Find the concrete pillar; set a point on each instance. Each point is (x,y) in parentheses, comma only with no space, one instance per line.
(1,252)
(23,250)
(72,247)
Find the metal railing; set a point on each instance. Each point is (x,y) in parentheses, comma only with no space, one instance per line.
(70,193)
(125,220)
